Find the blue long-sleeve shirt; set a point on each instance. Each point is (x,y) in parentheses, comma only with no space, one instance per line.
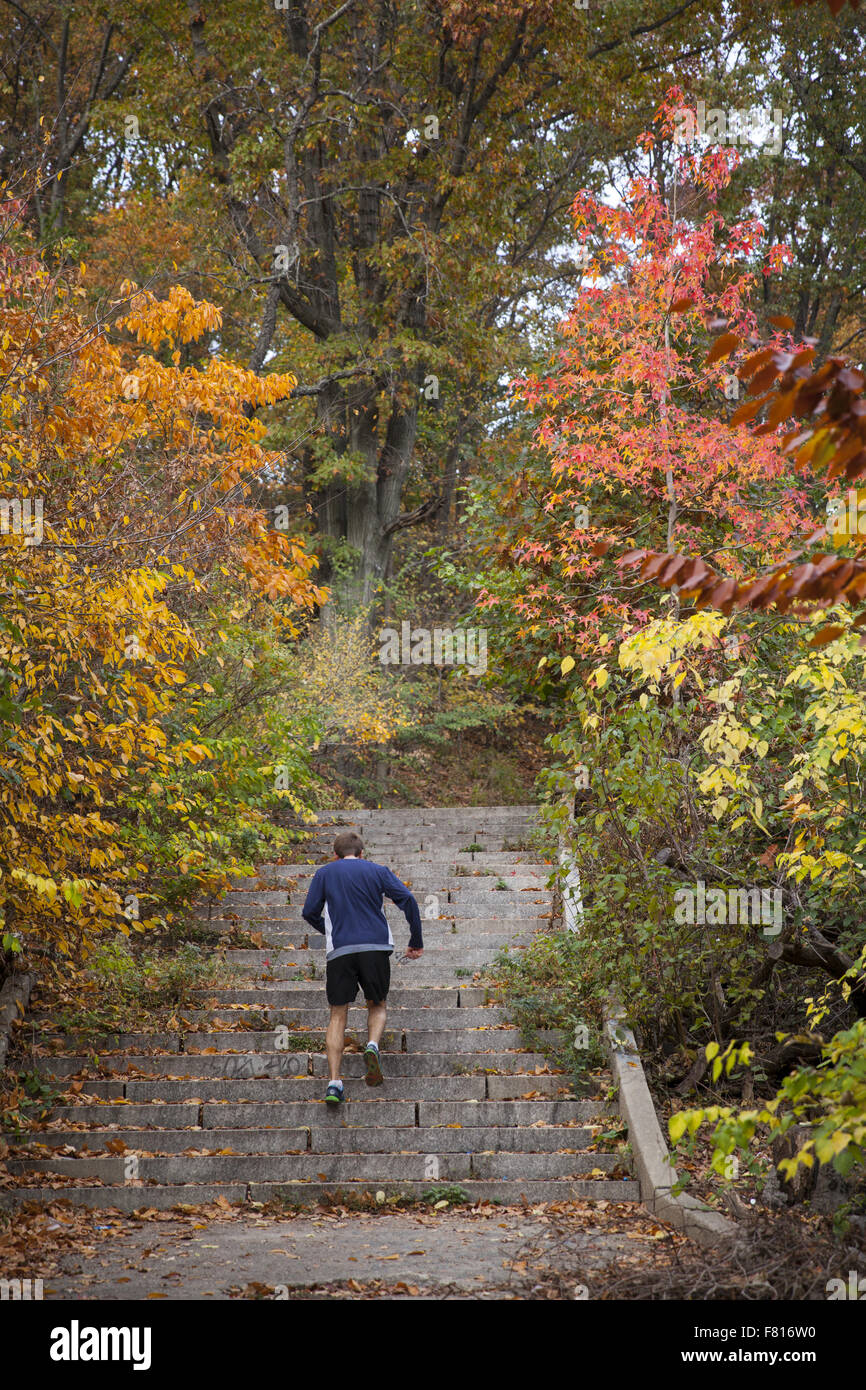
(345,902)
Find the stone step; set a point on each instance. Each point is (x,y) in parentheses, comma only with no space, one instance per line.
(102,1044)
(311,994)
(502,885)
(279,998)
(280,953)
(417,1040)
(327,1139)
(241,1114)
(296,1088)
(516,1088)
(509,1192)
(434,909)
(288,906)
(503,858)
(442,1040)
(433,815)
(296,877)
(314,1014)
(446,831)
(439,1024)
(475,1085)
(429,845)
(362,1112)
(480,933)
(470,1114)
(496,902)
(446,840)
(401,852)
(283,1064)
(446,815)
(505,1139)
(516,879)
(443,1064)
(432,875)
(272,934)
(441,939)
(258,994)
(528,810)
(129,1199)
(177,1141)
(461,949)
(386,814)
(493,906)
(301,994)
(326,1167)
(426,842)
(447,948)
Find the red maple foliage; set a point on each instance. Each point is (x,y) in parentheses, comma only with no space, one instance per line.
(631,435)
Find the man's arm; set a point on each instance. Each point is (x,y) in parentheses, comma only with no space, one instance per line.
(399,894)
(312,909)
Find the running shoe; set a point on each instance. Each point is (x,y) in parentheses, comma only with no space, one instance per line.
(373,1064)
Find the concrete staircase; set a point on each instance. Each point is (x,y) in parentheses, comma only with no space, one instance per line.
(232,1106)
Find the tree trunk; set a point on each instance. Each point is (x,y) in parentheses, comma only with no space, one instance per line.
(362,515)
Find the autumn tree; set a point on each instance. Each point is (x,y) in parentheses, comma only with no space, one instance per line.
(630,440)
(61,64)
(344,167)
(724,741)
(122,520)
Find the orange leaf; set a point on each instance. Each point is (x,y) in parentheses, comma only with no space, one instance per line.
(723,347)
(826,634)
(747,411)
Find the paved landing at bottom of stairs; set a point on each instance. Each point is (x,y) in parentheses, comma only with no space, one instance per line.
(491,1253)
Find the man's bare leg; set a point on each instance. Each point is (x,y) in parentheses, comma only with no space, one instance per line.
(335,1039)
(376,1015)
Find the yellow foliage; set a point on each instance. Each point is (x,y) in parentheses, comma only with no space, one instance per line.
(129,463)
(342,682)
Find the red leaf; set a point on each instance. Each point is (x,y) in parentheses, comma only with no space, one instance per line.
(762,379)
(747,411)
(857,467)
(754,361)
(653,566)
(631,557)
(724,595)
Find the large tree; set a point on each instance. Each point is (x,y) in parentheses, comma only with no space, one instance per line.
(368,155)
(61,65)
(396,179)
(380,189)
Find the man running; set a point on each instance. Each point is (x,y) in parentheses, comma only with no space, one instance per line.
(358,946)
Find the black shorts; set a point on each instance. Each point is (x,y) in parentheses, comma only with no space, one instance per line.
(369,969)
